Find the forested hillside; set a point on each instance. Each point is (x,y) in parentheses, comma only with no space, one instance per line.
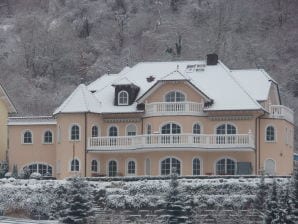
(47,47)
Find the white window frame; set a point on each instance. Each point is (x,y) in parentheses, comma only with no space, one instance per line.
(23,137)
(74,171)
(38,163)
(226,158)
(70,129)
(126,167)
(127,98)
(201,165)
(274,164)
(108,130)
(171,157)
(107,167)
(176,91)
(275,134)
(131,125)
(98,130)
(43,137)
(97,167)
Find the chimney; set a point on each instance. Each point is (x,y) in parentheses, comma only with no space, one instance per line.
(212,59)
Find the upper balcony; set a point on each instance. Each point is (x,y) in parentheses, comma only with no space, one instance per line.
(173,108)
(202,142)
(281,112)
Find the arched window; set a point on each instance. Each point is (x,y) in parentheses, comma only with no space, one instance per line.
(175,96)
(149,132)
(27,137)
(112,168)
(43,169)
(270,167)
(94,131)
(196,166)
(196,130)
(75,165)
(270,134)
(225,166)
(170,132)
(123,98)
(222,131)
(48,137)
(75,132)
(94,165)
(113,131)
(147,167)
(131,130)
(168,165)
(131,167)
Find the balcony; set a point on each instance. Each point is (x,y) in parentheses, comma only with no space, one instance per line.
(281,112)
(202,142)
(174,108)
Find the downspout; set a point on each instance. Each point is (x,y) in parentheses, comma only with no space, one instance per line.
(258,143)
(85,173)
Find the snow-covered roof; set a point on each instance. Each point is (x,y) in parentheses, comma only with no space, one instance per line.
(255,81)
(81,100)
(229,90)
(33,120)
(3,95)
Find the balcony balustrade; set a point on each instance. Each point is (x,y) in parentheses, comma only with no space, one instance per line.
(281,112)
(174,108)
(201,142)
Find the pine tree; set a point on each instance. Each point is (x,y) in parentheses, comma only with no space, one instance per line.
(15,171)
(175,207)
(79,206)
(260,199)
(272,210)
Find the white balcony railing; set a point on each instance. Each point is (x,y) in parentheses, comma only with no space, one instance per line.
(281,112)
(139,142)
(168,108)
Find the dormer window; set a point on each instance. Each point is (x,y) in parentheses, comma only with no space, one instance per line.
(123,98)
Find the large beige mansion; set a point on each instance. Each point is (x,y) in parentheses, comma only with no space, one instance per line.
(198,116)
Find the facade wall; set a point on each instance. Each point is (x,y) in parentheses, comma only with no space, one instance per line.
(68,149)
(281,149)
(21,154)
(183,86)
(3,130)
(208,160)
(207,126)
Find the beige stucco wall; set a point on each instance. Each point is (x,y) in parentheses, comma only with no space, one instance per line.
(208,160)
(24,154)
(183,86)
(278,150)
(207,126)
(3,130)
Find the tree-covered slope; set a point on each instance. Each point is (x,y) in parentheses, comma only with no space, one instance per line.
(47,47)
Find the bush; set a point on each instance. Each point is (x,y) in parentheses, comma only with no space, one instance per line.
(35,175)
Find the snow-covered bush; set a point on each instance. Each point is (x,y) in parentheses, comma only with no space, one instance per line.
(35,175)
(8,174)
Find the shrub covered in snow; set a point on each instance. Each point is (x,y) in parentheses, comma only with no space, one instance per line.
(35,175)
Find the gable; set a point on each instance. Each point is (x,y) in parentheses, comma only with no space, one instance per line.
(273,95)
(158,92)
